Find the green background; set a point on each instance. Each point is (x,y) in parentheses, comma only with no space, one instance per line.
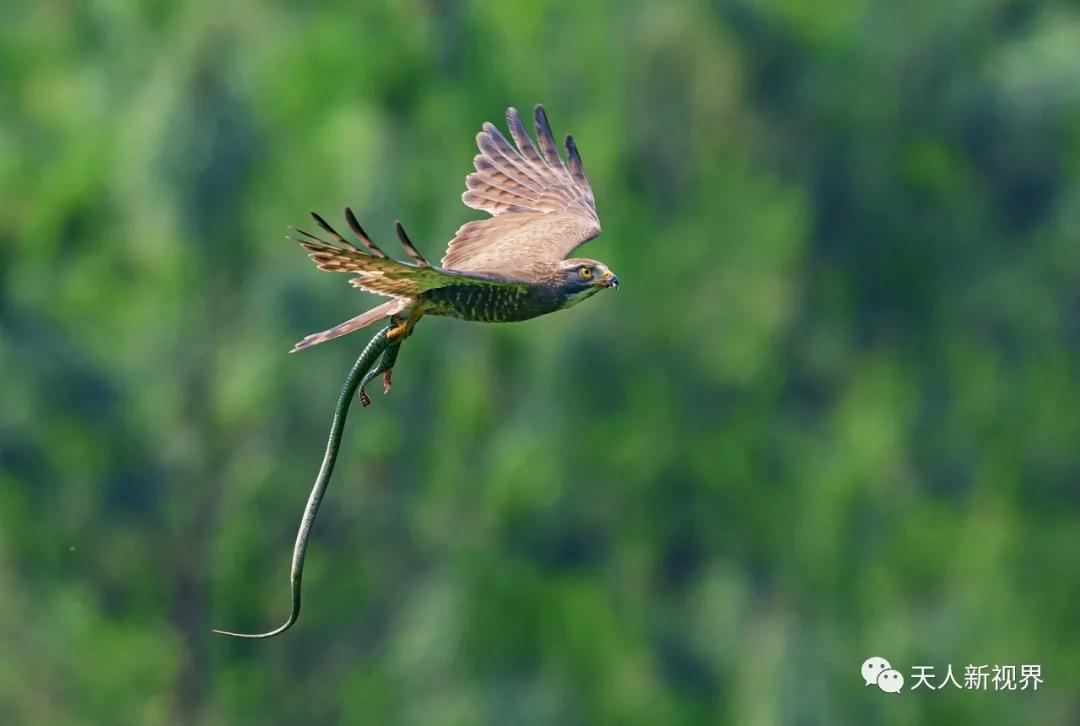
(833,411)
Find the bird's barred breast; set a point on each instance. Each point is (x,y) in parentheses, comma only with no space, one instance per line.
(487,303)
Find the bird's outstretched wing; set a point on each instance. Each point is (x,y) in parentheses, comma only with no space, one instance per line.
(542,208)
(378,273)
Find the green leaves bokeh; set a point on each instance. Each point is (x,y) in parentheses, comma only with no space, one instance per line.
(833,411)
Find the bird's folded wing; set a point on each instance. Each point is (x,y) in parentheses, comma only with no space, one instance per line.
(542,208)
(380,274)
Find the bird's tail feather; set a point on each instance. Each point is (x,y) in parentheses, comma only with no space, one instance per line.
(364,319)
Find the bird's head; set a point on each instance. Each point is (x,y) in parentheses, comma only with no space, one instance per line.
(583,278)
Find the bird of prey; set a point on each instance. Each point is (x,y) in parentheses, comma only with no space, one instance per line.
(512,266)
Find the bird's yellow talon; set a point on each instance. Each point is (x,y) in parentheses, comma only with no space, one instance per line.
(403,328)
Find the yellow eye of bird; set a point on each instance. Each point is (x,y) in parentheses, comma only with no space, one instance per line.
(585,272)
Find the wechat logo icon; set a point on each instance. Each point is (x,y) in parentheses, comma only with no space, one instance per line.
(878,671)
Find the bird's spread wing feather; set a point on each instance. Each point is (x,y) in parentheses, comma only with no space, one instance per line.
(542,208)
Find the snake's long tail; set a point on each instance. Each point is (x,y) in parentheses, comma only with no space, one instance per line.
(371,353)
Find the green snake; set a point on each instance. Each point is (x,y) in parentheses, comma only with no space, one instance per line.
(385,350)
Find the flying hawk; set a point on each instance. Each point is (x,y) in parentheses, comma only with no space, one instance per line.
(511,267)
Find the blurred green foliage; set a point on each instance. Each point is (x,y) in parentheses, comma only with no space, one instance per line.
(833,412)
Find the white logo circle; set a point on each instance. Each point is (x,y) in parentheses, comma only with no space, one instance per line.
(873,667)
(890,681)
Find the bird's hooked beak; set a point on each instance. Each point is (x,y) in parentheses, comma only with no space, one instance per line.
(608,279)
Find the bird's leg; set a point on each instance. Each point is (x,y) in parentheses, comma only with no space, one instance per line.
(386,363)
(404,329)
(397,326)
(388,357)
